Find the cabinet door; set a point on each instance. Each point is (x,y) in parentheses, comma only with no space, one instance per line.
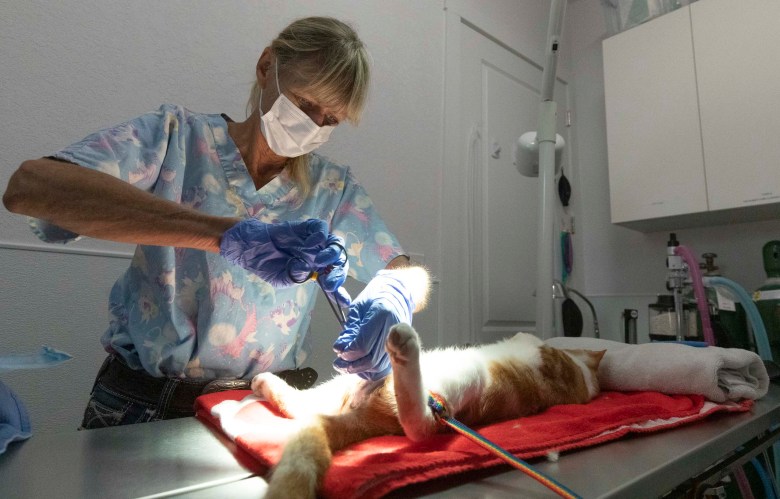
(656,164)
(738,70)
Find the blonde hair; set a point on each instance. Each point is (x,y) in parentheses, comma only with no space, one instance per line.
(325,56)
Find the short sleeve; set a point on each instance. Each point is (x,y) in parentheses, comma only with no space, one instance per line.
(370,244)
(132,151)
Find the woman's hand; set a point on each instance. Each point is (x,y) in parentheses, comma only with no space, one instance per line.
(286,253)
(391,297)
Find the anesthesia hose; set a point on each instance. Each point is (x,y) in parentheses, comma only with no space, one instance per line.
(759,331)
(698,290)
(759,334)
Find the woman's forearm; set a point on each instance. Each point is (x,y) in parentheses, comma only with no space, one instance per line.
(98,205)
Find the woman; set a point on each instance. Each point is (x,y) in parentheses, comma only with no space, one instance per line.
(227,216)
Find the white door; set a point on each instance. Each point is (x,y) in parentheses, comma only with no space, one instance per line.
(500,101)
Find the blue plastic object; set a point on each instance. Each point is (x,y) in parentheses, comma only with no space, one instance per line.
(697,344)
(14,420)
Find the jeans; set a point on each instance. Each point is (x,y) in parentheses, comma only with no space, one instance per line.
(108,408)
(122,396)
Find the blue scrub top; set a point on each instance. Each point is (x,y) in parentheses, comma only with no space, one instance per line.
(189,313)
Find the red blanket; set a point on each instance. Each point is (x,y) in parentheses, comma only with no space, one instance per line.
(380,465)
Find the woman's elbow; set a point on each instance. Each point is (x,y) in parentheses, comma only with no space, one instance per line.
(14,195)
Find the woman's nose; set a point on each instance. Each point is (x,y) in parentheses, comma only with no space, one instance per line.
(317,116)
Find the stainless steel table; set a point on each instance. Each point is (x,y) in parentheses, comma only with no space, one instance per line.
(185,458)
(163,457)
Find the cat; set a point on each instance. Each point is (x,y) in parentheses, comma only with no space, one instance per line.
(516,377)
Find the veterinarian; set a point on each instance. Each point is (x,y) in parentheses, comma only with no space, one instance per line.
(228,217)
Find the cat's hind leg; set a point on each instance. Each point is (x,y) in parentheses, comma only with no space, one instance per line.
(403,347)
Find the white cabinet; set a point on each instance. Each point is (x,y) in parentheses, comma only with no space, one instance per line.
(738,74)
(693,116)
(653,121)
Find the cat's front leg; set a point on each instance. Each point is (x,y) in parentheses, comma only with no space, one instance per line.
(403,347)
(277,392)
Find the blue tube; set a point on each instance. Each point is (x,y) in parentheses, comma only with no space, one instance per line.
(759,331)
(769,489)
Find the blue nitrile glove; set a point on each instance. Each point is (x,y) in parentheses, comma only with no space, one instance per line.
(332,267)
(360,348)
(274,251)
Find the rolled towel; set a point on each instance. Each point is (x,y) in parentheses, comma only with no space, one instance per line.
(720,374)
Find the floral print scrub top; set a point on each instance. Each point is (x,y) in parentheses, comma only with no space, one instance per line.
(182,312)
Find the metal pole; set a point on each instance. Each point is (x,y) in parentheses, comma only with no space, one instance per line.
(546,135)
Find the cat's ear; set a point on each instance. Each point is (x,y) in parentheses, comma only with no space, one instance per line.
(594,358)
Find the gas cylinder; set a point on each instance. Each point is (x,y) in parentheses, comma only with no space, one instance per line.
(767,297)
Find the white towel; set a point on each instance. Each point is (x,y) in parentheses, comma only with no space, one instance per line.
(720,374)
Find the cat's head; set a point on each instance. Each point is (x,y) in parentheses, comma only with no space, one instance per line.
(588,361)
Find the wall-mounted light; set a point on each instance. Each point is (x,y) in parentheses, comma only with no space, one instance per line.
(526,154)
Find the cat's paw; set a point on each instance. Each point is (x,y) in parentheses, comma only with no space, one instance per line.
(403,344)
(271,388)
(261,384)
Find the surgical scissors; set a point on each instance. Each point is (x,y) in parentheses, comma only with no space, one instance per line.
(314,275)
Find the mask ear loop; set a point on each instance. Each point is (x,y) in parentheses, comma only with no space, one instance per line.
(278,88)
(276,71)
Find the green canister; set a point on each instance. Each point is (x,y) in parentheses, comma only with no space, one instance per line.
(767,297)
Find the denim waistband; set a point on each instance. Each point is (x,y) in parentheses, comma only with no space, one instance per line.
(169,394)
(178,394)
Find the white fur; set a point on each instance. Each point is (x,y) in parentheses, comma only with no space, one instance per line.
(461,375)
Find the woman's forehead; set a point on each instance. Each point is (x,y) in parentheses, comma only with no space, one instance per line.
(306,79)
(323,99)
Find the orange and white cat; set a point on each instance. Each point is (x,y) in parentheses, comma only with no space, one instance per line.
(509,379)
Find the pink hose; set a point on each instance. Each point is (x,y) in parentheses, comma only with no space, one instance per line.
(698,291)
(709,337)
(744,484)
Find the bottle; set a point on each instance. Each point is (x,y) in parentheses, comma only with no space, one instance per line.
(767,297)
(662,320)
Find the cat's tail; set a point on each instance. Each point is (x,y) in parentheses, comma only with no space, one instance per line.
(309,452)
(303,464)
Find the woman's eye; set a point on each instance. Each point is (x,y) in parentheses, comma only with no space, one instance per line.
(303,103)
(331,120)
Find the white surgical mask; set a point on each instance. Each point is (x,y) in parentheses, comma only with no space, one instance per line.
(289,131)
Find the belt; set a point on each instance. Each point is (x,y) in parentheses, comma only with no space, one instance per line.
(179,394)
